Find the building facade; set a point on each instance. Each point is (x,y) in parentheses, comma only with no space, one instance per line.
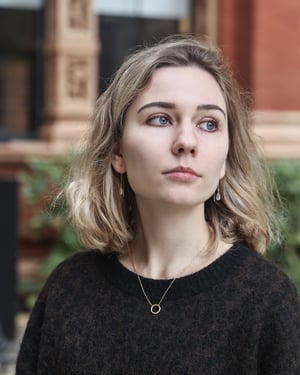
(56,56)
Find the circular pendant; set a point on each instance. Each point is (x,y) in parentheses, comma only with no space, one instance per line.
(155,308)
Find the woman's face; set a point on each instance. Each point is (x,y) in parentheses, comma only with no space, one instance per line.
(175,139)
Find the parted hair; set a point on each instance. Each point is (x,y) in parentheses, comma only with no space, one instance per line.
(107,220)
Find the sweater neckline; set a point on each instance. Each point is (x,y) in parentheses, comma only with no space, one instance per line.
(215,273)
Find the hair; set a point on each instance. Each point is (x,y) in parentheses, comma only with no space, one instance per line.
(106,220)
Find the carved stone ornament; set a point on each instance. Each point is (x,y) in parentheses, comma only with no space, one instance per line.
(78,14)
(77,73)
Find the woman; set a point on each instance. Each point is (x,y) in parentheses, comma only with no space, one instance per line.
(171,194)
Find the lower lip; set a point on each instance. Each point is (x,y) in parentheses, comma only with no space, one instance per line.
(182,176)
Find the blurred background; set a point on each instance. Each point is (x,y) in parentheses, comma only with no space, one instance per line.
(56,57)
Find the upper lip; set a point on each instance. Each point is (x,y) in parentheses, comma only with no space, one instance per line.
(183,170)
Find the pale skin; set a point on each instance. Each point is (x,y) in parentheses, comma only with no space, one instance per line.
(173,150)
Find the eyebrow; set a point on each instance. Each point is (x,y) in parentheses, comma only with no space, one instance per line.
(157,104)
(211,107)
(172,106)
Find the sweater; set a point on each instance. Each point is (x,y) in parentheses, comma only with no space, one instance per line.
(239,315)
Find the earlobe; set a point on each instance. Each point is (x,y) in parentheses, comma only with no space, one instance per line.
(118,164)
(223,170)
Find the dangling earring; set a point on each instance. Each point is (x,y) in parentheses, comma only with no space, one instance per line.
(217,195)
(121,189)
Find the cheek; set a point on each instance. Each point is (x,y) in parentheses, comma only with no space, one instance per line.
(218,165)
(137,157)
(139,148)
(138,170)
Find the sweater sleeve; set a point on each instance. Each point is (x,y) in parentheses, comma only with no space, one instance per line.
(279,349)
(27,361)
(37,350)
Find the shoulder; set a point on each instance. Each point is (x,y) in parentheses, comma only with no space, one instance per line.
(265,269)
(83,265)
(266,279)
(83,258)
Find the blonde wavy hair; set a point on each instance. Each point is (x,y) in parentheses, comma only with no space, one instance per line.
(107,221)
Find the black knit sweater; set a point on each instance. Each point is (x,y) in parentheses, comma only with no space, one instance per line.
(240,315)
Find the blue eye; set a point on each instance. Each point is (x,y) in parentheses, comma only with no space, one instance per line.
(209,125)
(159,120)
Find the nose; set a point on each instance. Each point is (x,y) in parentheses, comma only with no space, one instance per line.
(185,141)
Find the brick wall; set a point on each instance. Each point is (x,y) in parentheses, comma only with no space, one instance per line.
(276,56)
(261,40)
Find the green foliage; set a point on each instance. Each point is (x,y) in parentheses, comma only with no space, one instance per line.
(42,186)
(287,177)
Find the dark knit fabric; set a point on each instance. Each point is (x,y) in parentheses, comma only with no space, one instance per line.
(240,315)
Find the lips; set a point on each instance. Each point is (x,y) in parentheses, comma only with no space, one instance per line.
(184,170)
(182,174)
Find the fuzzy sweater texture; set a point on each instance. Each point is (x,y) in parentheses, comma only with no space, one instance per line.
(240,315)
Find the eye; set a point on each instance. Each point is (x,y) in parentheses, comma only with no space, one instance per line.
(159,120)
(209,125)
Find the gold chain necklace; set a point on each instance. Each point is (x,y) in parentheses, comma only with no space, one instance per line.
(155,308)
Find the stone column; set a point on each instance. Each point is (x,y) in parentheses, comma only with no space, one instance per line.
(71,50)
(205,19)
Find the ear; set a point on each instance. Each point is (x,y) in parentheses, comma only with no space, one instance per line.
(117,160)
(223,170)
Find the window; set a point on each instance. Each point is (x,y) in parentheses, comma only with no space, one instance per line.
(125,25)
(21,93)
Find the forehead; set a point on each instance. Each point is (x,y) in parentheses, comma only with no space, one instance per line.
(183,83)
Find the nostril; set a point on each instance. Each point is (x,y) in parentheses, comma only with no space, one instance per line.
(183,150)
(180,150)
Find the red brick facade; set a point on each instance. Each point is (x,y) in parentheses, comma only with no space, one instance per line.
(260,40)
(276,55)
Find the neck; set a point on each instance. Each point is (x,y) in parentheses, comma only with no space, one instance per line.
(171,242)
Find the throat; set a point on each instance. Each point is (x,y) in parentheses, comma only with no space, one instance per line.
(161,265)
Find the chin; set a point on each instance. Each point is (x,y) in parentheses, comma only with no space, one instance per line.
(183,202)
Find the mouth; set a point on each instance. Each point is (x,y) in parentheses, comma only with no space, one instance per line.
(186,170)
(182,174)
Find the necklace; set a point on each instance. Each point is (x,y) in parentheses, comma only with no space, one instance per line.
(155,308)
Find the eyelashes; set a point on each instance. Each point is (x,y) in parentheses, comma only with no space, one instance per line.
(161,120)
(209,125)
